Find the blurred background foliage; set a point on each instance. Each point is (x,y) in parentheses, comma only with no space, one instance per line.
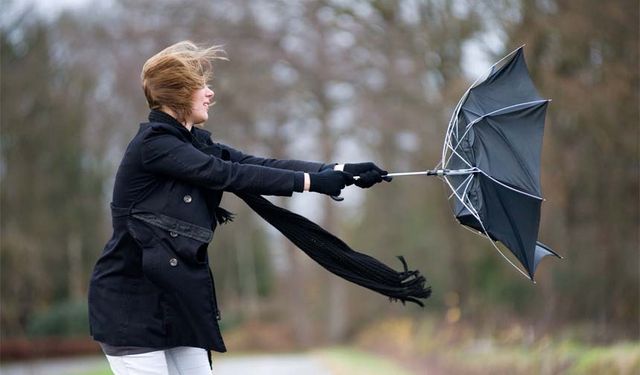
(329,80)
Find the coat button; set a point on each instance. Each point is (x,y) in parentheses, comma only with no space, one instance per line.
(173,262)
(173,234)
(187,198)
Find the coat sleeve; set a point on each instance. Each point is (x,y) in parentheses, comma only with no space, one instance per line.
(293,165)
(165,154)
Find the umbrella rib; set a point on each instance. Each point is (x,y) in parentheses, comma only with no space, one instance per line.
(505,257)
(461,158)
(466,188)
(453,151)
(452,124)
(474,231)
(462,183)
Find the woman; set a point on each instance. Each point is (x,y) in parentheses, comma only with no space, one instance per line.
(152,300)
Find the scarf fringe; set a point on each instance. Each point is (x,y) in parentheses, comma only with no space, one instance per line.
(223,216)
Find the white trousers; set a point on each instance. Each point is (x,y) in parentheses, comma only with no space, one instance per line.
(182,360)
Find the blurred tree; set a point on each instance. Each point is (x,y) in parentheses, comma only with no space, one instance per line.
(52,185)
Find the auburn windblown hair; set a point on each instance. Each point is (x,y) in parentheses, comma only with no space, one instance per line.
(170,77)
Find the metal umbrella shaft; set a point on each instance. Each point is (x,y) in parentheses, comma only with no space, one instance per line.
(432,172)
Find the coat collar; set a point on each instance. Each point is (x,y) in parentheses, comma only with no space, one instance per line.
(162,117)
(198,136)
(159,116)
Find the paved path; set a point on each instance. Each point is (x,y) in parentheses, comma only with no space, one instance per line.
(61,366)
(283,364)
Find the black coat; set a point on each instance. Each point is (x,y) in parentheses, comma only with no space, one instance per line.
(152,285)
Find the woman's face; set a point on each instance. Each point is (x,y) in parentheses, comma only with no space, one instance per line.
(200,102)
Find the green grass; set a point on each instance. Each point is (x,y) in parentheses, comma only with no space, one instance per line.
(617,359)
(103,370)
(547,357)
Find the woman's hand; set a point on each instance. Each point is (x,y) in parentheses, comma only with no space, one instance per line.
(368,174)
(329,182)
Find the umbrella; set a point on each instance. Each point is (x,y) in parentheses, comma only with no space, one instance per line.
(491,160)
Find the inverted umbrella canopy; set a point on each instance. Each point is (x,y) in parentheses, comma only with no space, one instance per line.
(491,160)
(496,132)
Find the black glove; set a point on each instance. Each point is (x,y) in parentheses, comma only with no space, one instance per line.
(330,182)
(369,174)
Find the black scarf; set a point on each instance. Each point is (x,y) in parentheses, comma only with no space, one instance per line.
(337,257)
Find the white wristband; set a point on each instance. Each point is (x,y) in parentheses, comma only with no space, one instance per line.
(307,182)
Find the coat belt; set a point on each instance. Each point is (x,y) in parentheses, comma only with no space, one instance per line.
(165,222)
